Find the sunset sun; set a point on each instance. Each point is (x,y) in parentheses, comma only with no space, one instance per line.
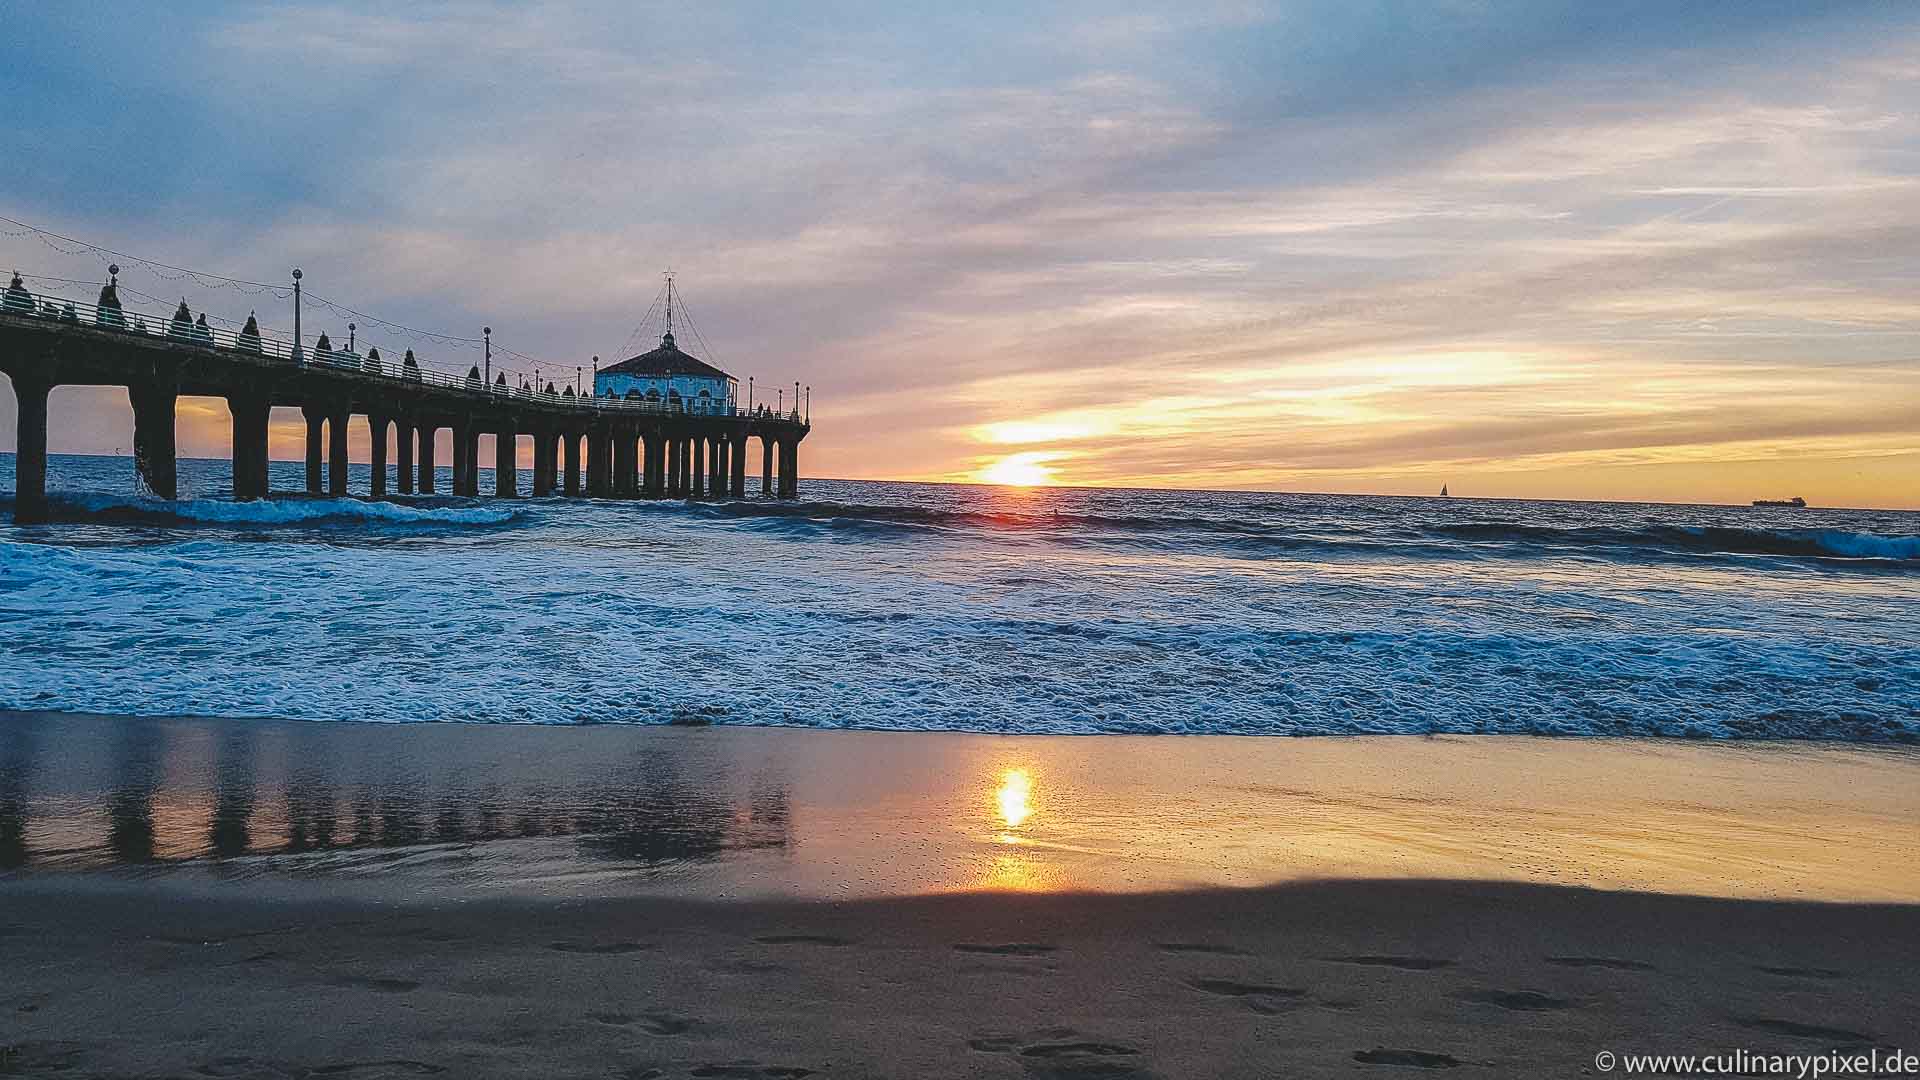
(1027,469)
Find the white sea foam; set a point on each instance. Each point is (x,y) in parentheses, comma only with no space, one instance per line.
(1856,545)
(288,511)
(651,613)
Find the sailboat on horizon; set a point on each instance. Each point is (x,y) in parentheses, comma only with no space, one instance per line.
(1443,490)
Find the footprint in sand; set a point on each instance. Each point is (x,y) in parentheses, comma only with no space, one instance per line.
(748,1070)
(1606,962)
(653,1022)
(610,948)
(1060,1054)
(1517,1000)
(385,986)
(1803,972)
(1197,947)
(1802,1031)
(1412,1059)
(239,1066)
(1404,963)
(805,939)
(1018,948)
(388,1067)
(1259,997)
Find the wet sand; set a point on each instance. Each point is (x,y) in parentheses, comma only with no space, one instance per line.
(768,812)
(189,897)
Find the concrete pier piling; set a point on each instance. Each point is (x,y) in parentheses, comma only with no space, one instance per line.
(428,432)
(403,456)
(337,452)
(377,453)
(570,454)
(154,453)
(506,464)
(316,422)
(583,445)
(30,459)
(251,413)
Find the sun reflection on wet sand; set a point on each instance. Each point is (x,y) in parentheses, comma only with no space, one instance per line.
(1016,800)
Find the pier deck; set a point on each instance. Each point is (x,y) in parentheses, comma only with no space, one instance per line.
(584,446)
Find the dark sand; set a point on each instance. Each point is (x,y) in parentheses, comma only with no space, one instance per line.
(106,976)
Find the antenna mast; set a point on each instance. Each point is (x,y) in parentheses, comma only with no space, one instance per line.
(669,303)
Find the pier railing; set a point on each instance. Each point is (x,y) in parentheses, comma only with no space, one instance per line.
(142,320)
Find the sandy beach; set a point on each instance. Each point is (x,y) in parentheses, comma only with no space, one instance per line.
(118,978)
(193,897)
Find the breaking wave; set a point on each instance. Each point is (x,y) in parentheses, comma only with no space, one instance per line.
(1293,534)
(132,510)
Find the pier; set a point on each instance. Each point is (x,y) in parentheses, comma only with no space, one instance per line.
(584,446)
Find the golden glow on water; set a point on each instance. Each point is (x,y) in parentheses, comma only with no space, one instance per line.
(1016,799)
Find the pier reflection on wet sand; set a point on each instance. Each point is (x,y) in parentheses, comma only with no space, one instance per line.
(410,809)
(124,790)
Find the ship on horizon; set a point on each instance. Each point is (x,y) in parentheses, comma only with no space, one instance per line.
(1796,501)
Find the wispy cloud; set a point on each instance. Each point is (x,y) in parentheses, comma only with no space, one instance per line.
(1302,245)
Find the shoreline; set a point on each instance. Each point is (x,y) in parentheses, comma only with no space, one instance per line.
(1911,747)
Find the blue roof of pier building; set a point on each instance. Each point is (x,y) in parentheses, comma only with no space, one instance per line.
(666,360)
(669,376)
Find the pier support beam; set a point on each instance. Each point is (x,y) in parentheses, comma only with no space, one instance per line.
(698,488)
(790,469)
(403,458)
(766,466)
(737,458)
(337,453)
(623,464)
(717,468)
(250,414)
(570,454)
(315,418)
(377,426)
(153,440)
(506,465)
(597,461)
(427,433)
(465,448)
(542,463)
(655,471)
(30,450)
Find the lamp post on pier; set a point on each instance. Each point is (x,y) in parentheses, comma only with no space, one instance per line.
(298,356)
(487,337)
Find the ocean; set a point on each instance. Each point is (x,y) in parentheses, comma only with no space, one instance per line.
(900,606)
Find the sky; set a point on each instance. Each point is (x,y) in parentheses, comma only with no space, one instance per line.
(1613,251)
